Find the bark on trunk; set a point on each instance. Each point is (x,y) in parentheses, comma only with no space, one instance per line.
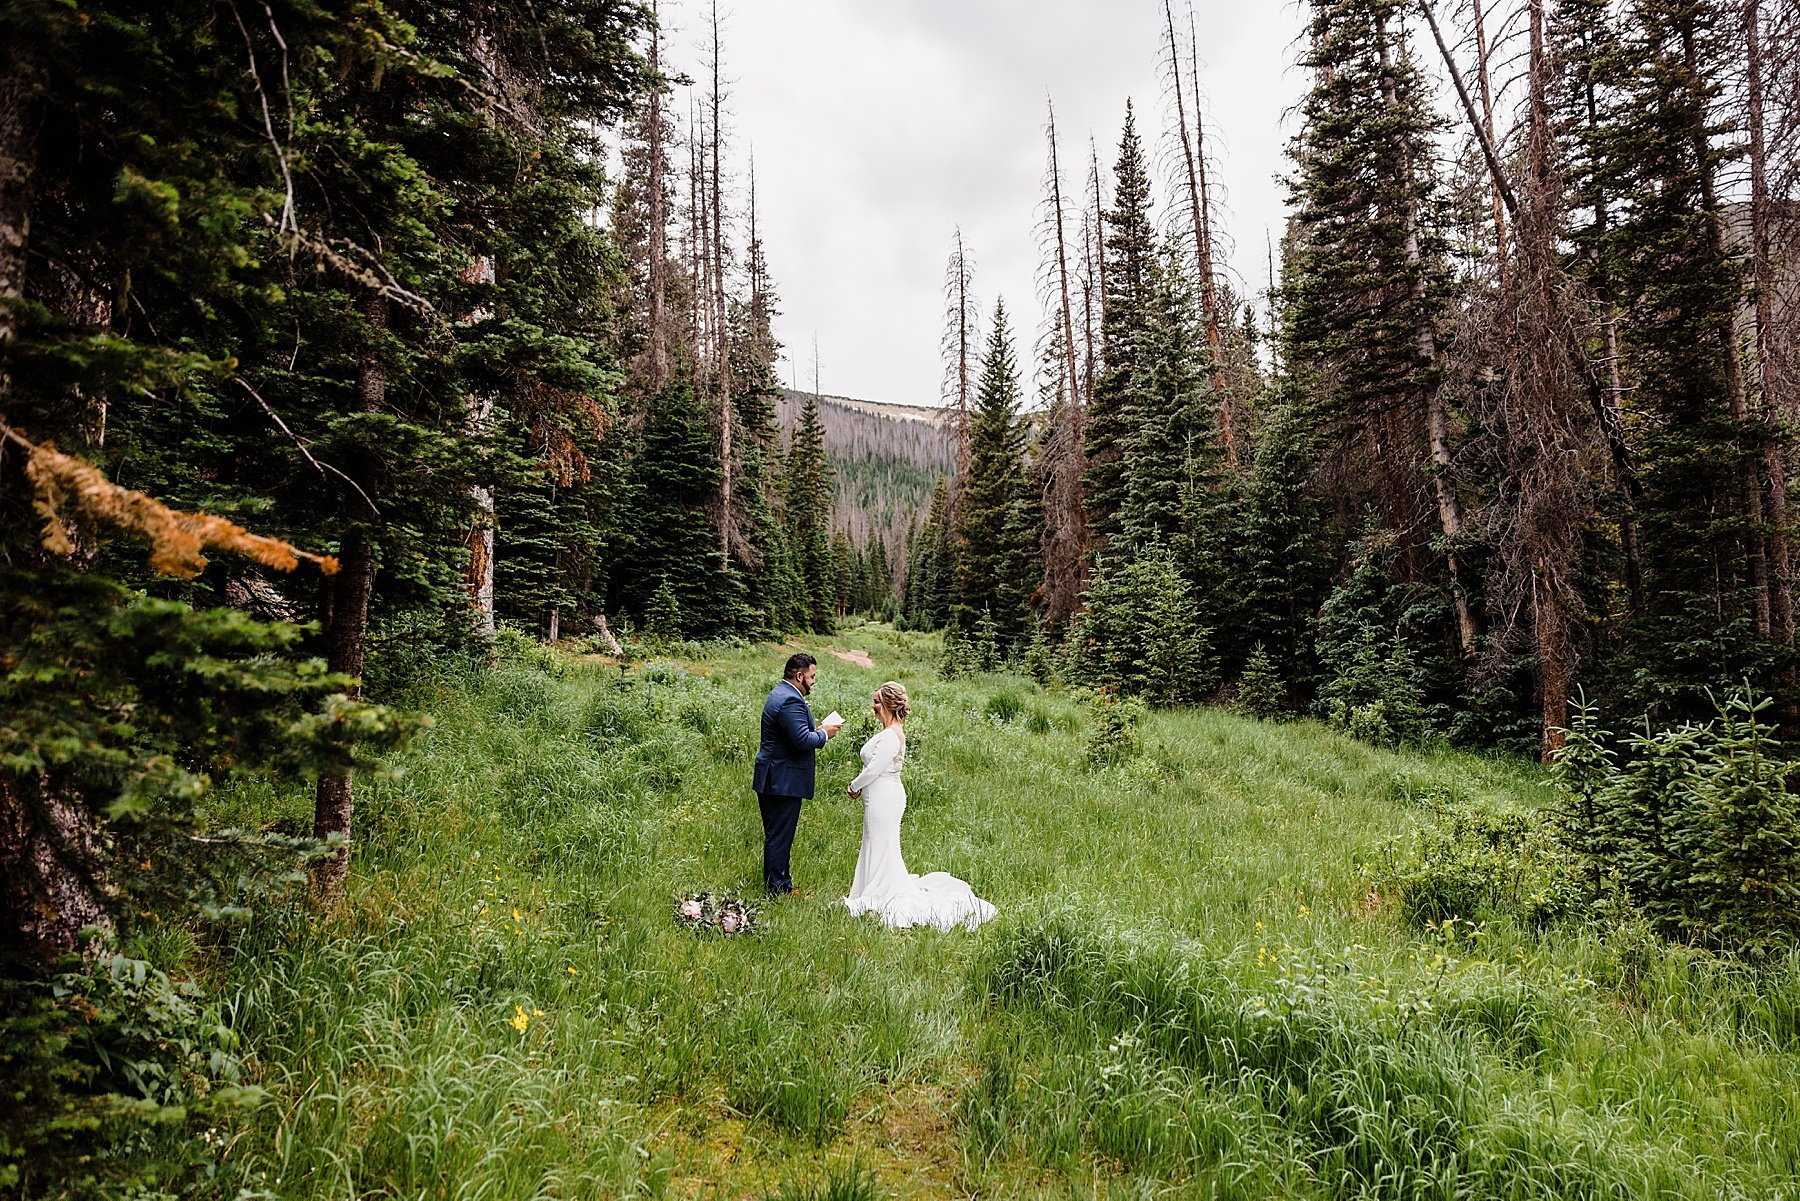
(52,882)
(1484,78)
(1555,671)
(1771,384)
(347,629)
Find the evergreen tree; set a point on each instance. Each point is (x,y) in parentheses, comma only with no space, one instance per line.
(1171,447)
(667,540)
(1699,508)
(1136,636)
(807,507)
(846,574)
(1364,277)
(931,570)
(996,530)
(1261,692)
(1130,243)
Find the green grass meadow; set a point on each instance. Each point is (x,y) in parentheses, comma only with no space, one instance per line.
(1193,988)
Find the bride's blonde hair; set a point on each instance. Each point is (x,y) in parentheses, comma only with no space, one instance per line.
(892,696)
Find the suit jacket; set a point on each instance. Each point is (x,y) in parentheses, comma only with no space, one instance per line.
(784,761)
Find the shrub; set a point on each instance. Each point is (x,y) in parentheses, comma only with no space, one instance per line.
(1376,697)
(1115,735)
(1696,827)
(99,1061)
(958,658)
(1476,862)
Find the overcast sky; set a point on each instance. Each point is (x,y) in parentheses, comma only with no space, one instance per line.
(879,126)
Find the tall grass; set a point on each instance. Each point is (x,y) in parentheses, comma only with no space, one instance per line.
(1191,983)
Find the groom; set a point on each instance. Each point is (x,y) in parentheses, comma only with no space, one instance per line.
(784,765)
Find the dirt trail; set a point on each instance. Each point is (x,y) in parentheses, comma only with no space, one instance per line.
(860,658)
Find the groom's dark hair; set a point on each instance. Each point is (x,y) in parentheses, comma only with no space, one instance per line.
(797,663)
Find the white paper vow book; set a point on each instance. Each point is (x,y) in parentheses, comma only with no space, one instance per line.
(834,718)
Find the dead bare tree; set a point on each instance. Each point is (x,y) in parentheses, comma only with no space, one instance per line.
(1777,400)
(959,348)
(1093,257)
(659,213)
(1193,155)
(721,346)
(1064,542)
(1542,414)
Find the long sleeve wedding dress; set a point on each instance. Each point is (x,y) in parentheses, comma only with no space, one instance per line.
(883,885)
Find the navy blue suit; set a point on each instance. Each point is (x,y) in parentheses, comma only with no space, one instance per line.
(784,776)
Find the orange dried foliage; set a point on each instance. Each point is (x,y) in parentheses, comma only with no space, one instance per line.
(63,484)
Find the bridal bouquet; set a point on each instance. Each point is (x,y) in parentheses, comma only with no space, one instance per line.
(728,914)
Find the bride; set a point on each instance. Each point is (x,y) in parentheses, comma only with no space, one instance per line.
(882,884)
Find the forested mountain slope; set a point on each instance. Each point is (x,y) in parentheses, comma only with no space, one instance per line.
(887,457)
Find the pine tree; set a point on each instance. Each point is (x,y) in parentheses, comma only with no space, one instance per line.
(1261,692)
(1130,243)
(931,571)
(996,529)
(1364,284)
(667,539)
(1707,615)
(807,507)
(1137,637)
(1172,446)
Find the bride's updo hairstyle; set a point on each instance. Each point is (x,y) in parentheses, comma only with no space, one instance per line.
(892,696)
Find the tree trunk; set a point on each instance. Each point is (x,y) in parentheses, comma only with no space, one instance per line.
(721,316)
(696,211)
(52,886)
(659,218)
(1484,79)
(347,626)
(479,540)
(1065,541)
(1771,384)
(1555,671)
(1540,354)
(957,301)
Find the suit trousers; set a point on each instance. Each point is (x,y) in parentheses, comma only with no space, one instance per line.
(780,815)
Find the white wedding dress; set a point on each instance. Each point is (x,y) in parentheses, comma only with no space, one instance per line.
(883,885)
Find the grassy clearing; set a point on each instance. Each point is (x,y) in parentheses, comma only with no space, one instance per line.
(1191,982)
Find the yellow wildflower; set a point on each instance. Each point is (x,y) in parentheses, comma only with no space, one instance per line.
(520,1019)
